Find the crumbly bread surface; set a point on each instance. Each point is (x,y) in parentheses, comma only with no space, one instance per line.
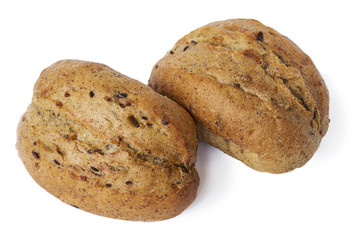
(253,93)
(108,144)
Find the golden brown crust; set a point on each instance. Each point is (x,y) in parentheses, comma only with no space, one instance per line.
(108,144)
(251,86)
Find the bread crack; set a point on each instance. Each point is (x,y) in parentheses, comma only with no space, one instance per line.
(277,69)
(84,145)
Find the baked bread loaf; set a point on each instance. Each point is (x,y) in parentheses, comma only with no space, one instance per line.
(108,144)
(253,93)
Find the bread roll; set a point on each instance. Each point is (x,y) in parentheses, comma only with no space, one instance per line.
(108,144)
(253,93)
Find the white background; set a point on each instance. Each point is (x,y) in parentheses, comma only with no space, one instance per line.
(319,201)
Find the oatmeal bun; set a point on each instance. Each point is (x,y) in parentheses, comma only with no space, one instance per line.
(108,144)
(252,92)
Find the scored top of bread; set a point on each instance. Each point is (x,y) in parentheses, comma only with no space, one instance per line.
(126,109)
